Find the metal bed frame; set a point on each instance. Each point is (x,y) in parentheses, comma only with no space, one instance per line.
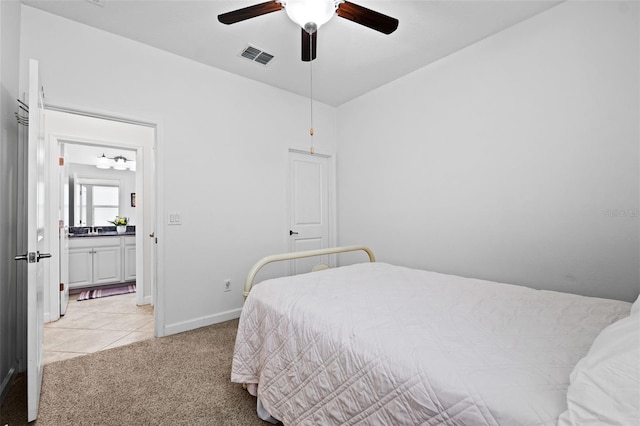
(298,255)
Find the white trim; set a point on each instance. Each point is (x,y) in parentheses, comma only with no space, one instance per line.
(93,181)
(204,321)
(158,254)
(101,114)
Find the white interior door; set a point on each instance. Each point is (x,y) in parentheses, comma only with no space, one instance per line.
(309,212)
(35,200)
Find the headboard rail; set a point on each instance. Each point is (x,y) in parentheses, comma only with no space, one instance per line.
(298,255)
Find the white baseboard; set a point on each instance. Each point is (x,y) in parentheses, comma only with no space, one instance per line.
(201,322)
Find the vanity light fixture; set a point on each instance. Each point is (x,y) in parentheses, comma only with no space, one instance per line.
(118,162)
(103,162)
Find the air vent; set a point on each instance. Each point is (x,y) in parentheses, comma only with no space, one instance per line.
(256,55)
(264,58)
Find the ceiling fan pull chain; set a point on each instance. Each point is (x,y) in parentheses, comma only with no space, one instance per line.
(311,150)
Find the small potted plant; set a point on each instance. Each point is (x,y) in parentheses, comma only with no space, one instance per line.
(120,223)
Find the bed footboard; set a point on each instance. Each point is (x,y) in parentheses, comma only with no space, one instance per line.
(298,255)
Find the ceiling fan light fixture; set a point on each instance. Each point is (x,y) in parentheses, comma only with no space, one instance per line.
(310,15)
(303,12)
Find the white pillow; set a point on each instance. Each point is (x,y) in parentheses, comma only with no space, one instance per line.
(604,386)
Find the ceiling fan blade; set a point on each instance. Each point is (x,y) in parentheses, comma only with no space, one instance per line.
(249,12)
(309,43)
(367,17)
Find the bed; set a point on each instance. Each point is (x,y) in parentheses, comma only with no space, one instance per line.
(379,344)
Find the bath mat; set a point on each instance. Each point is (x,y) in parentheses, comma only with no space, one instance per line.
(106,292)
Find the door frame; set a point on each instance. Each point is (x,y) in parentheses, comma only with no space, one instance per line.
(148,160)
(331,197)
(54,141)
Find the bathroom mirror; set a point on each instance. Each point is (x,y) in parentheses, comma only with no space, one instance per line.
(95,201)
(96,196)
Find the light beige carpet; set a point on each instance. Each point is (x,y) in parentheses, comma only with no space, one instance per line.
(177,380)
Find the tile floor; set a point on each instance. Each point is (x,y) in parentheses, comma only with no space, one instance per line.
(97,324)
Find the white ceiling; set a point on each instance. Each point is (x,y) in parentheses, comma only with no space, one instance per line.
(351,59)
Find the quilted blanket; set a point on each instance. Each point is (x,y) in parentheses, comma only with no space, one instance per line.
(377,344)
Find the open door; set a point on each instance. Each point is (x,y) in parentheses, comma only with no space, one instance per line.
(34,212)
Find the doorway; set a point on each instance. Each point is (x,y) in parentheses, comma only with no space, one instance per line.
(92,137)
(311,211)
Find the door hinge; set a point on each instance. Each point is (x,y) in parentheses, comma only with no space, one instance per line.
(61,286)
(60,161)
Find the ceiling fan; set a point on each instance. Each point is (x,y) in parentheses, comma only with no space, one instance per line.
(311,14)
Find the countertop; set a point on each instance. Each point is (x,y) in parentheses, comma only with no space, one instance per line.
(102,234)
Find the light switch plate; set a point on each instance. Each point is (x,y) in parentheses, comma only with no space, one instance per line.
(175,218)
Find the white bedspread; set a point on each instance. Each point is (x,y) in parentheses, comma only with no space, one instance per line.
(376,344)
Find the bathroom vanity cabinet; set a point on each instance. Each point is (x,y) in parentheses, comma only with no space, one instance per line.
(101,260)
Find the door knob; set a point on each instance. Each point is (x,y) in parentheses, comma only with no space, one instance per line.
(42,256)
(292,233)
(153,234)
(32,257)
(22,257)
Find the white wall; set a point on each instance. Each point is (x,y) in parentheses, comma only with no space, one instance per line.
(222,153)
(502,161)
(11,346)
